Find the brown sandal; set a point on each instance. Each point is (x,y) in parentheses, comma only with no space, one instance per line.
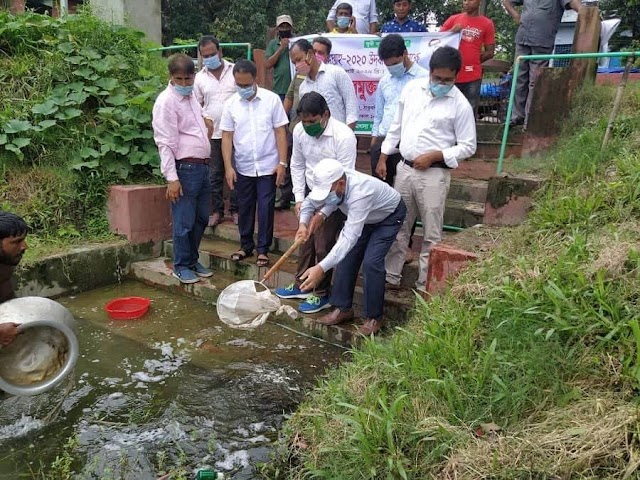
(262,260)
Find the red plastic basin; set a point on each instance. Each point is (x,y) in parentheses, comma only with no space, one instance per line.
(127,308)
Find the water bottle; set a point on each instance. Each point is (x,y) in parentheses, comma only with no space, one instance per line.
(208,474)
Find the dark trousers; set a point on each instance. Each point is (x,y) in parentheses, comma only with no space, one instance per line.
(471,90)
(190,214)
(369,251)
(392,162)
(255,192)
(284,195)
(317,246)
(216,178)
(526,80)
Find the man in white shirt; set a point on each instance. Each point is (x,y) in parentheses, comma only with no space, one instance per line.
(400,71)
(253,129)
(436,129)
(375,212)
(317,136)
(330,81)
(365,12)
(213,85)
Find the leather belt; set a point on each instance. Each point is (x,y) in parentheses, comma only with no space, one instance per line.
(408,163)
(199,161)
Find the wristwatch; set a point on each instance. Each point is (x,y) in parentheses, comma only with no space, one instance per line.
(284,164)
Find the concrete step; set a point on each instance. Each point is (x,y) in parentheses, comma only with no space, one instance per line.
(216,250)
(468,189)
(460,213)
(215,254)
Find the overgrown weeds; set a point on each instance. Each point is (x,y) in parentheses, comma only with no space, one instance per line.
(540,341)
(77,96)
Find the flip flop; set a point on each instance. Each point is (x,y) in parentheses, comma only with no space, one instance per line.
(240,255)
(262,260)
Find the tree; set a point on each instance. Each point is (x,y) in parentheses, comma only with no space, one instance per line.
(629,30)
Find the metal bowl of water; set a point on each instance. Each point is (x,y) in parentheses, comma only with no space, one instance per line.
(46,349)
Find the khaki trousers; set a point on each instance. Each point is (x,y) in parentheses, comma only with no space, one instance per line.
(424,193)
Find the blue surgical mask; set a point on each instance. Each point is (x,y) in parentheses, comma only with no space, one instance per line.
(439,89)
(332,199)
(184,91)
(212,62)
(343,22)
(245,92)
(396,70)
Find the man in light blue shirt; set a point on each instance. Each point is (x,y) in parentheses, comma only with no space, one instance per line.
(374,213)
(401,70)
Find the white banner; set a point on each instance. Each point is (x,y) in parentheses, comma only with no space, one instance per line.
(358,56)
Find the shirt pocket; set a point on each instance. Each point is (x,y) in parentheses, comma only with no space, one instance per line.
(263,123)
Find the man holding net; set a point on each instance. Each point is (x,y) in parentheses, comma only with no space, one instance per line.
(375,212)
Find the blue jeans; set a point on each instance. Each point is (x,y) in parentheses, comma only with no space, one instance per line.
(369,251)
(252,191)
(190,213)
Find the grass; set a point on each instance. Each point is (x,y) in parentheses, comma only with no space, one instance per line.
(540,341)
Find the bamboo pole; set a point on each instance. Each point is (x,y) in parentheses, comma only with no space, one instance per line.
(616,103)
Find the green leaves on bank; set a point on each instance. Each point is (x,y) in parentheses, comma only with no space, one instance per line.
(80,94)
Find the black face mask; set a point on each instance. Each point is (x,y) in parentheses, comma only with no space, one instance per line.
(284,33)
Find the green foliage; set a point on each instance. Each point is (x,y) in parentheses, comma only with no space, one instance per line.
(550,318)
(81,93)
(75,117)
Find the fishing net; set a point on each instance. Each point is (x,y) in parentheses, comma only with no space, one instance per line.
(247,304)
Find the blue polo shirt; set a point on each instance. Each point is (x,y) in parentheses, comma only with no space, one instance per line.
(393,26)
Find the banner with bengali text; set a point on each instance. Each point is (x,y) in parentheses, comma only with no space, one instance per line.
(358,56)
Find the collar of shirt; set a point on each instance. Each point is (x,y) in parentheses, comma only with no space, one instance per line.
(328,131)
(322,68)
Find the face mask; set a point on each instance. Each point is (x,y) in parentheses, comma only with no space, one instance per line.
(284,33)
(303,68)
(184,91)
(343,22)
(332,199)
(245,92)
(314,130)
(212,62)
(321,58)
(396,70)
(439,89)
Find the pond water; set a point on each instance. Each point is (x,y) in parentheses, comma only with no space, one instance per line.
(172,392)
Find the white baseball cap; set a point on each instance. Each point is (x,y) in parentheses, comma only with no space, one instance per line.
(327,171)
(284,19)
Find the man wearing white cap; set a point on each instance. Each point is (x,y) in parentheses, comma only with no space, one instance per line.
(277,54)
(375,213)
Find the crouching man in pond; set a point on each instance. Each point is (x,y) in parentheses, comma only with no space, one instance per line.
(182,133)
(13,233)
(375,213)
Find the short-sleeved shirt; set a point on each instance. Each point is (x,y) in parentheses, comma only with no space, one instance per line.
(212,92)
(539,21)
(410,25)
(253,124)
(293,94)
(365,12)
(282,68)
(476,32)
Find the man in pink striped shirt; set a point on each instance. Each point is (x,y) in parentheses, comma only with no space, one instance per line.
(182,134)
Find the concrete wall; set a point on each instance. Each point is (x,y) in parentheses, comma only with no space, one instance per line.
(143,15)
